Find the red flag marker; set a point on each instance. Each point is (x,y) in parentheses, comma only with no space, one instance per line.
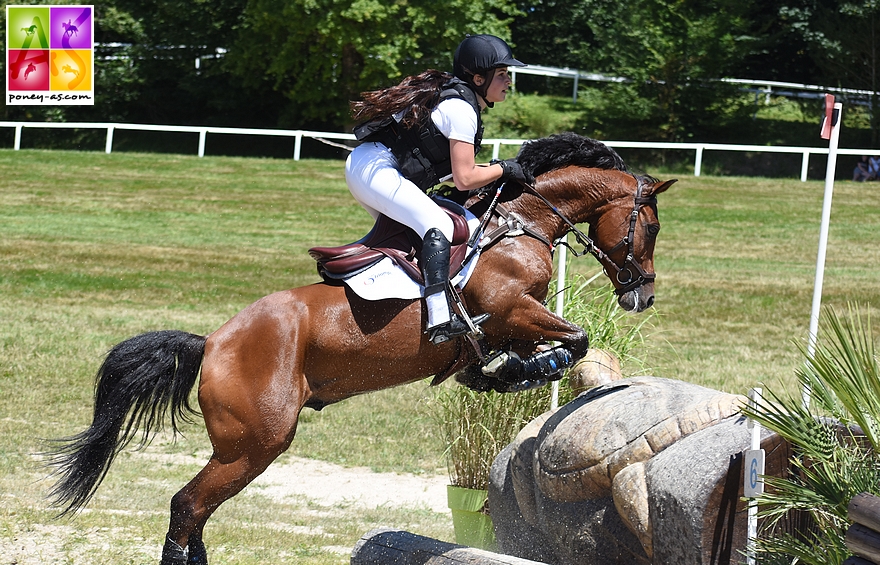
(828,120)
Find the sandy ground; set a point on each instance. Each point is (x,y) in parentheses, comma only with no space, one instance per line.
(322,484)
(326,484)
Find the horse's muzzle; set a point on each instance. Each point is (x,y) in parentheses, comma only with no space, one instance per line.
(638,299)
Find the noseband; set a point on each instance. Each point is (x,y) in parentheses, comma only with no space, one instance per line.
(630,274)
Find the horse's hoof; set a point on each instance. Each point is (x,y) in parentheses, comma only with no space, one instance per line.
(496,364)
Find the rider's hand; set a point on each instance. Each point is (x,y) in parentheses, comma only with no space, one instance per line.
(513,171)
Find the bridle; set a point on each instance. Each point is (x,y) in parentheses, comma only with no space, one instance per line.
(630,274)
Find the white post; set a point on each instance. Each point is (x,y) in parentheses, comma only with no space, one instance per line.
(297,145)
(203,133)
(17,144)
(496,149)
(823,240)
(805,166)
(108,145)
(753,463)
(562,251)
(698,161)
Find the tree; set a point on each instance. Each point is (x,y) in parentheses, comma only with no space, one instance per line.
(842,40)
(668,49)
(320,54)
(145,68)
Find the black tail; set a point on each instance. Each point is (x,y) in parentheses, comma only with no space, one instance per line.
(137,383)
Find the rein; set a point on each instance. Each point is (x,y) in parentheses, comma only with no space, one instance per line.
(625,273)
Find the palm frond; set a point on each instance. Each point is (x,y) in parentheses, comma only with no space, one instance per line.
(835,440)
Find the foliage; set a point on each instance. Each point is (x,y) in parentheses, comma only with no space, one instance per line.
(666,50)
(836,440)
(320,54)
(296,64)
(531,117)
(842,39)
(477,426)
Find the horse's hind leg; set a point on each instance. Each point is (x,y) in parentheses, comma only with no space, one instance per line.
(251,412)
(225,475)
(194,504)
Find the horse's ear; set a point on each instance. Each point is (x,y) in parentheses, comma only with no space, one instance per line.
(661,187)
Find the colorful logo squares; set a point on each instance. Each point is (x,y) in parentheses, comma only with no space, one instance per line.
(50,55)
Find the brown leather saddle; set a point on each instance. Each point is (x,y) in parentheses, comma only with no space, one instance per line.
(394,240)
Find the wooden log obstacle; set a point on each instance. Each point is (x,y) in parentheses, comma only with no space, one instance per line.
(386,546)
(863,537)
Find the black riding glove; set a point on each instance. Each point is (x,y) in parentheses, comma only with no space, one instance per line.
(511,170)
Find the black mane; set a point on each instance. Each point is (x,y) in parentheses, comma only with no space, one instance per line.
(566,149)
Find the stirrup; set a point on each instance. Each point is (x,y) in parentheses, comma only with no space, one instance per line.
(454,328)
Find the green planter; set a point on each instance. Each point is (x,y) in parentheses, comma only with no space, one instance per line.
(472,523)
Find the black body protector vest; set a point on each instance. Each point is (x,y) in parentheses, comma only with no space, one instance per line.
(422,152)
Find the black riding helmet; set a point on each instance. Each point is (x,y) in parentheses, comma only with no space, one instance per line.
(479,55)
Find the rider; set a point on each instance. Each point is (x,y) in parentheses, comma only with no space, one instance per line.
(423,131)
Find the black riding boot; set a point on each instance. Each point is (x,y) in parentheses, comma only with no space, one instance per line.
(435,270)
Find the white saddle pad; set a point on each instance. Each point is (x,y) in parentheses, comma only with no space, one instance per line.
(386,280)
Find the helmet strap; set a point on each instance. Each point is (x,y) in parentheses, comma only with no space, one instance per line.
(483,89)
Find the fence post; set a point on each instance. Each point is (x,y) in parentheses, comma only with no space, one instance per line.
(805,165)
(203,133)
(17,144)
(108,145)
(297,145)
(698,161)
(496,148)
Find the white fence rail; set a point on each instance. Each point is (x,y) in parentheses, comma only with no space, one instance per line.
(298,135)
(757,86)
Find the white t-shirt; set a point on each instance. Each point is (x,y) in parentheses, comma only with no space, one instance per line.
(456,119)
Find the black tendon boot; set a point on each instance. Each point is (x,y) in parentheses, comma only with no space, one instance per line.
(435,270)
(173,554)
(198,555)
(543,366)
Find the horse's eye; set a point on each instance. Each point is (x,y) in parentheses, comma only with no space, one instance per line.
(653,230)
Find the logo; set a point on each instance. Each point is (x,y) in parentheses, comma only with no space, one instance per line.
(50,55)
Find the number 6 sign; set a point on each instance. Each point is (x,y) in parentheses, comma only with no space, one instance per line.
(753,483)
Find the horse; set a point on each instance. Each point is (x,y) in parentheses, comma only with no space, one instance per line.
(319,344)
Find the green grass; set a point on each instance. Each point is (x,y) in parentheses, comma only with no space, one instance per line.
(95,248)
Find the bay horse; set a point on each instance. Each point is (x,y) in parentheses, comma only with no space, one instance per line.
(319,344)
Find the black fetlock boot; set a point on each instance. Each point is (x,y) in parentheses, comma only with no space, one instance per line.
(173,554)
(540,367)
(198,555)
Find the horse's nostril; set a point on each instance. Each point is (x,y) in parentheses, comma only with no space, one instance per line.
(649,302)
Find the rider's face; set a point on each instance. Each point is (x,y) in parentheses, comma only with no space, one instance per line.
(498,85)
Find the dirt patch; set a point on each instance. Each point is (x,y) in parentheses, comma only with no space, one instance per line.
(326,484)
(294,481)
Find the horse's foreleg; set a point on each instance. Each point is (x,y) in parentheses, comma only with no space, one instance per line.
(531,322)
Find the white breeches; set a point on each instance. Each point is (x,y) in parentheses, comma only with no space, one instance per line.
(374,181)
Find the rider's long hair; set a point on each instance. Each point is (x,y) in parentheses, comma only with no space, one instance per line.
(419,93)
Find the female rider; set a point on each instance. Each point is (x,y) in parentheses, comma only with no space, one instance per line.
(423,131)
